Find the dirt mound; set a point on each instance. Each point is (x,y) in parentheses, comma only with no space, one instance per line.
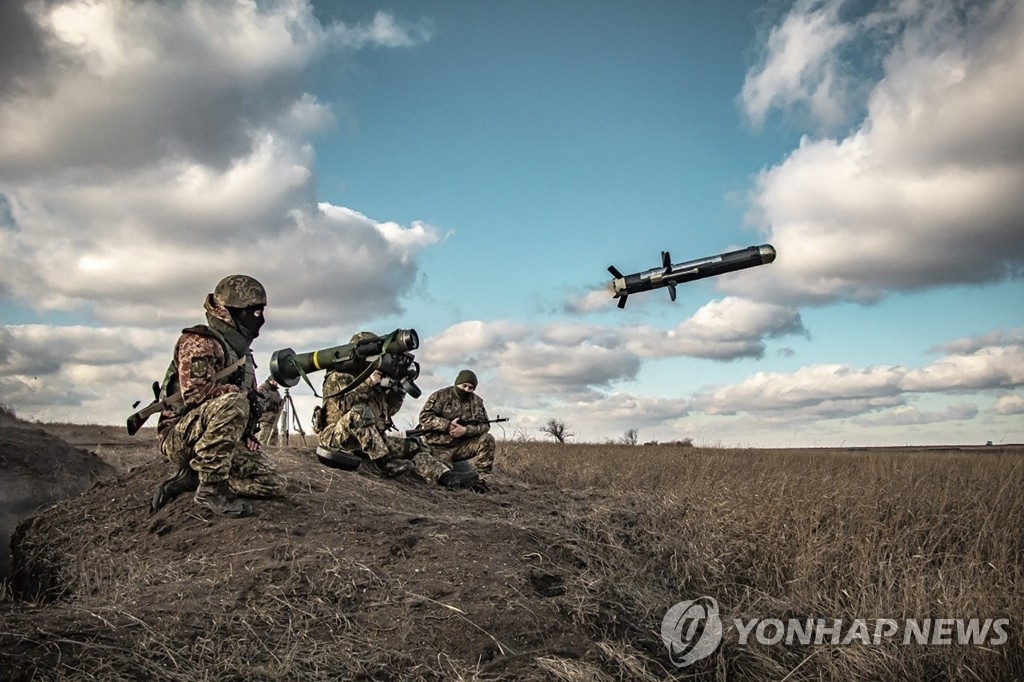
(348,576)
(36,469)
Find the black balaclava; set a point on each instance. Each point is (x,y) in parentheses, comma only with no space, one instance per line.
(248,320)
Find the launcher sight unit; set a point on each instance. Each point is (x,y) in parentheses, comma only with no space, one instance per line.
(669,275)
(390,354)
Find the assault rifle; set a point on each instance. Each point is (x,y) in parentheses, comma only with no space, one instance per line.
(412,433)
(137,419)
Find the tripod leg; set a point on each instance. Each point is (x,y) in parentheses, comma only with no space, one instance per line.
(298,423)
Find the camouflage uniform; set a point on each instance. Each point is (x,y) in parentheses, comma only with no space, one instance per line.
(360,419)
(272,404)
(207,431)
(445,406)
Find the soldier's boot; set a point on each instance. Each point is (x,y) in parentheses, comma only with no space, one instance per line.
(185,480)
(218,497)
(453,479)
(391,467)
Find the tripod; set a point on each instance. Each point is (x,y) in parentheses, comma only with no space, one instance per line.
(286,419)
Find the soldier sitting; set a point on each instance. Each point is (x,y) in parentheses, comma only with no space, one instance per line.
(455,422)
(357,419)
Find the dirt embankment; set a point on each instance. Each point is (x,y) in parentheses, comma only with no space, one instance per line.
(348,576)
(37,469)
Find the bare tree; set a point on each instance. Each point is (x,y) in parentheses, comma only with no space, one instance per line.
(630,437)
(557,429)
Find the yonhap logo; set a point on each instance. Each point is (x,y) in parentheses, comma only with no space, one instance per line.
(691,630)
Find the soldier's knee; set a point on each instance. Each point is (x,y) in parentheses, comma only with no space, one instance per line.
(230,407)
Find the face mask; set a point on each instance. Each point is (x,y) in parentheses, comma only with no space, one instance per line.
(248,320)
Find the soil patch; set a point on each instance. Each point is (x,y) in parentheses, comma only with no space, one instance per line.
(37,469)
(348,576)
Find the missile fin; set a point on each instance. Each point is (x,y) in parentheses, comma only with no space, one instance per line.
(622,300)
(615,272)
(666,261)
(671,291)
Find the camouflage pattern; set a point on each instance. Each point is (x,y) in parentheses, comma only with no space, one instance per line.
(209,439)
(207,430)
(240,291)
(360,419)
(272,401)
(200,353)
(445,406)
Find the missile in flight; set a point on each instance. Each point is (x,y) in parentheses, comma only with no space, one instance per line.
(669,275)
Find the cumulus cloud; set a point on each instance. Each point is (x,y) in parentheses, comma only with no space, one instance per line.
(925,191)
(575,359)
(800,65)
(99,372)
(909,415)
(724,329)
(836,390)
(159,146)
(1009,405)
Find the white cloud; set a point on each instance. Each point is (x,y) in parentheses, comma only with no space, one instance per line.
(471,342)
(926,191)
(808,386)
(575,359)
(164,145)
(993,367)
(908,415)
(724,329)
(1009,405)
(840,390)
(800,65)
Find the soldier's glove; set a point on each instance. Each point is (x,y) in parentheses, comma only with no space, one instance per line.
(255,410)
(255,406)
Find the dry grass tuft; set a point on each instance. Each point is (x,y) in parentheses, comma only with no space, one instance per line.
(563,572)
(795,534)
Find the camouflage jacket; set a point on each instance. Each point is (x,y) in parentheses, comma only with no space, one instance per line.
(384,403)
(443,407)
(200,353)
(271,400)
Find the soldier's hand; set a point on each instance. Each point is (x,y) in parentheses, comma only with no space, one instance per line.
(252,444)
(456,430)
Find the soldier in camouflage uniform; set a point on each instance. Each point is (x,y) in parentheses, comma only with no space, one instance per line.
(272,402)
(446,414)
(209,435)
(358,420)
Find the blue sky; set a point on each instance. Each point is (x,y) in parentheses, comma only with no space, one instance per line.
(470,169)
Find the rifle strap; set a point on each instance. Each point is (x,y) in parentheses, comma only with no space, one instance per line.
(227,371)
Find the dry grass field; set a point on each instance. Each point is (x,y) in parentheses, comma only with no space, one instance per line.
(564,572)
(872,533)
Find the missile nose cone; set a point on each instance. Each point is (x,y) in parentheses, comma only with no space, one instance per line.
(767,252)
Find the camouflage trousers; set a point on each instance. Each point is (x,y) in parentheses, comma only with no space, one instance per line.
(266,432)
(357,430)
(479,449)
(209,439)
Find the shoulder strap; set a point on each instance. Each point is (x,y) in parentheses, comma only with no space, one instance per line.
(136,420)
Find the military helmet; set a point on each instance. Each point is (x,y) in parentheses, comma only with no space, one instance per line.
(362,336)
(240,291)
